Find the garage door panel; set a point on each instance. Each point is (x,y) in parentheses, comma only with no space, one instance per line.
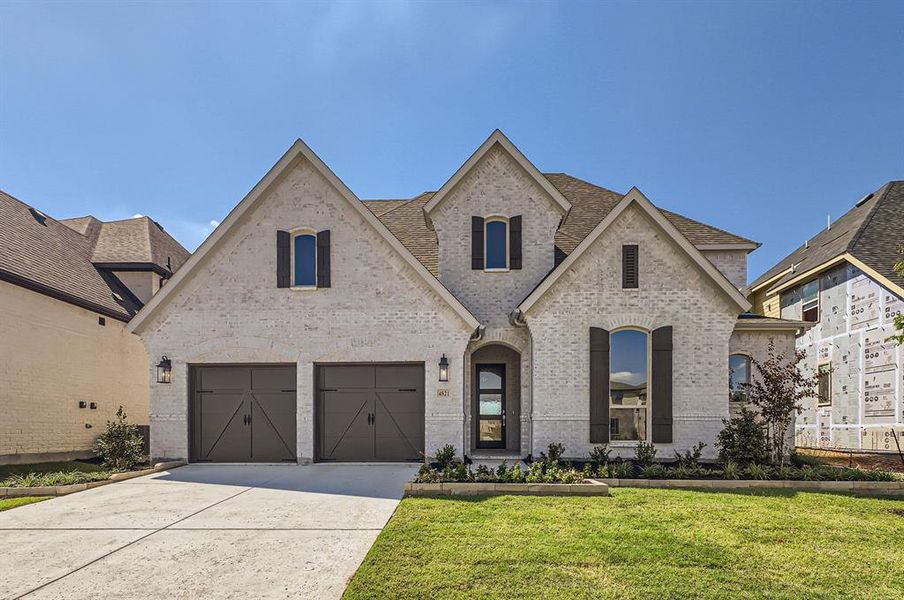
(222,432)
(346,429)
(272,378)
(232,423)
(400,376)
(271,440)
(347,376)
(383,421)
(223,378)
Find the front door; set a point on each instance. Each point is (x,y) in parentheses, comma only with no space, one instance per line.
(491,406)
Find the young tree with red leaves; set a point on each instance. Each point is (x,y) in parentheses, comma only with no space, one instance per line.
(777,394)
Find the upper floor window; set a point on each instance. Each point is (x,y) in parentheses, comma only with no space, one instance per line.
(738,377)
(824,389)
(630,267)
(628,401)
(810,306)
(304,258)
(496,244)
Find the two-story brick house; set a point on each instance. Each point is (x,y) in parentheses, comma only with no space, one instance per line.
(507,310)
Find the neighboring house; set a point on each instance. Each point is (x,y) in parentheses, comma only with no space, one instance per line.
(508,310)
(67,290)
(843,280)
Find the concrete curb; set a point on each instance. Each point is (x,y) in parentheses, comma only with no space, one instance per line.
(589,488)
(891,488)
(62,490)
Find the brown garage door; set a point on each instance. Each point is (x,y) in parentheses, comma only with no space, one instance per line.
(370,412)
(243,413)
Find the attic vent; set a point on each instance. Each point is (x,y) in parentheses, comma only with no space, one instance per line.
(863,200)
(117,297)
(38,216)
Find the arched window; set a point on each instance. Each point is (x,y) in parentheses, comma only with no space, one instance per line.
(497,242)
(304,258)
(738,377)
(629,407)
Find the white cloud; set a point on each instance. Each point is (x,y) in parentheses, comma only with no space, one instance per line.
(628,377)
(214,224)
(137,216)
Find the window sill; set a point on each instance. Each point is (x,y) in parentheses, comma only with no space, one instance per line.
(506,270)
(303,288)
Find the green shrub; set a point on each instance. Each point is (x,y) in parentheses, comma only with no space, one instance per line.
(515,474)
(600,455)
(120,445)
(743,440)
(684,472)
(484,473)
(731,470)
(691,458)
(535,473)
(653,471)
(23,480)
(757,471)
(588,471)
(621,470)
(644,454)
(572,476)
(553,454)
(445,456)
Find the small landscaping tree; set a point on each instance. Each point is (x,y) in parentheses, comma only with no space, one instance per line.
(120,445)
(743,440)
(777,393)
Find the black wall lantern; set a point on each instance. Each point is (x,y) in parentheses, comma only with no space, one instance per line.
(164,370)
(444,368)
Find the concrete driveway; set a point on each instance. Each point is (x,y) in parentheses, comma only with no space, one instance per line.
(202,531)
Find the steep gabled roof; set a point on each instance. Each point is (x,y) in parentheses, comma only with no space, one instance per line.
(590,204)
(497,138)
(298,150)
(870,233)
(40,253)
(636,197)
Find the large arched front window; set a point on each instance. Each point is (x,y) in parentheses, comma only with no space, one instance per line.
(304,259)
(629,406)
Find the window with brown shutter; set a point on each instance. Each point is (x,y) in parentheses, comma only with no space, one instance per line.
(630,275)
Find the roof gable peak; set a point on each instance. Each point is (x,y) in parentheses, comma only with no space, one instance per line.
(498,138)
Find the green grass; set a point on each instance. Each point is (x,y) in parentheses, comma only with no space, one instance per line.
(8,503)
(639,544)
(51,473)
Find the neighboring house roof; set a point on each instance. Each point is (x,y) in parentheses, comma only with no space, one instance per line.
(869,234)
(138,240)
(56,258)
(590,204)
(754,322)
(298,150)
(636,197)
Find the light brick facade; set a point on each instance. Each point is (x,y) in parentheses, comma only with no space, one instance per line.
(380,309)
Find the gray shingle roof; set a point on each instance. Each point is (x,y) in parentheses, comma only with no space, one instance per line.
(589,205)
(56,257)
(872,231)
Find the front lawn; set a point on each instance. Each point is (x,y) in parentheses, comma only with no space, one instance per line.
(8,503)
(639,543)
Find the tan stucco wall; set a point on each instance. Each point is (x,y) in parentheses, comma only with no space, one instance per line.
(53,354)
(144,284)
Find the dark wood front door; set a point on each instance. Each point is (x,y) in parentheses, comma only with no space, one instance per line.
(243,414)
(490,406)
(368,412)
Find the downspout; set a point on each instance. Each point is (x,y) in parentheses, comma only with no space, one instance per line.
(476,336)
(516,318)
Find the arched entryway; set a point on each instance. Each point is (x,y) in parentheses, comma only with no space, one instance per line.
(496,399)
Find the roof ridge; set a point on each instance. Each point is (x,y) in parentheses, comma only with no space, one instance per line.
(882,192)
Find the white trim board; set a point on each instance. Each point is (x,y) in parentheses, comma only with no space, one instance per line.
(298,150)
(636,197)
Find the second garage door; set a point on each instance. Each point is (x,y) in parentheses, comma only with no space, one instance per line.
(370,412)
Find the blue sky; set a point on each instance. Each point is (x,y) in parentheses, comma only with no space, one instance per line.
(761,118)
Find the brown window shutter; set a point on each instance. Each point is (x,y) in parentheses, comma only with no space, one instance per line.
(477,243)
(515,242)
(599,386)
(630,275)
(323,258)
(283,259)
(662,385)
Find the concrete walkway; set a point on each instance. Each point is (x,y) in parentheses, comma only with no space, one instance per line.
(202,531)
